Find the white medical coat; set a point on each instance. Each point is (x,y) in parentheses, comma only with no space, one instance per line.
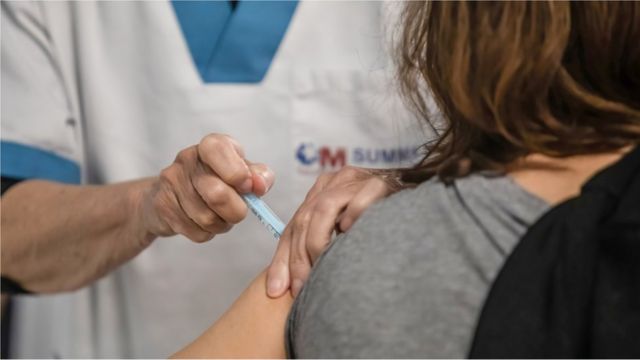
(110,86)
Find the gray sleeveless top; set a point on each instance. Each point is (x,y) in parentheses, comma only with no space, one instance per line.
(410,277)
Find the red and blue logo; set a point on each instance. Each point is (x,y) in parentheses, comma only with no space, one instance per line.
(314,158)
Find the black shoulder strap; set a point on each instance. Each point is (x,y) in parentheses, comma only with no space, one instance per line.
(571,287)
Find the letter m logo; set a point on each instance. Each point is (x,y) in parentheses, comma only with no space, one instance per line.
(338,159)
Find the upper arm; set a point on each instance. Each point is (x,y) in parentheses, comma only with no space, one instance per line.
(254,327)
(398,284)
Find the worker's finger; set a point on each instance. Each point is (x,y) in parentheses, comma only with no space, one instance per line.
(299,263)
(323,220)
(198,211)
(348,175)
(319,185)
(374,189)
(219,196)
(180,223)
(278,272)
(262,176)
(294,236)
(225,157)
(180,178)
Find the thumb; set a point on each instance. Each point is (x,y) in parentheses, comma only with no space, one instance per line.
(263,178)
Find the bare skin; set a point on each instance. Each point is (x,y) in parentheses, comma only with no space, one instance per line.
(333,203)
(556,180)
(254,326)
(58,237)
(77,234)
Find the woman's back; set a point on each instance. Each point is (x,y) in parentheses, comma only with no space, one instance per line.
(410,277)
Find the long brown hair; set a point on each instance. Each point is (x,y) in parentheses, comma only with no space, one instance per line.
(513,78)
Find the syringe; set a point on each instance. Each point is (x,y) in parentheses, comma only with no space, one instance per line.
(264,213)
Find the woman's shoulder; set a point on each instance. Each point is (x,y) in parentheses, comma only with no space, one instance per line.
(482,215)
(419,252)
(462,203)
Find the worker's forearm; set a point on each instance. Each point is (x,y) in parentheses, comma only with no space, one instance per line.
(58,237)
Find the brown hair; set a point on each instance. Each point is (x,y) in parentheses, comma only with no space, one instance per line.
(513,78)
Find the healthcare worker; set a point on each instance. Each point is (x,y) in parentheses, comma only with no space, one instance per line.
(109,92)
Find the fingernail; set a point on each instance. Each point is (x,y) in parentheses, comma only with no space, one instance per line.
(246,186)
(296,286)
(344,224)
(274,287)
(268,176)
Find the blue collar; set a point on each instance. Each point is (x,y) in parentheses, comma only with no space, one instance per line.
(233,45)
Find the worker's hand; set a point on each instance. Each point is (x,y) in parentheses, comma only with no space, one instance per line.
(198,194)
(334,202)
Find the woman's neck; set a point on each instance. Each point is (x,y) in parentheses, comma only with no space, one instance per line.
(558,179)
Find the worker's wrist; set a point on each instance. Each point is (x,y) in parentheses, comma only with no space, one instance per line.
(139,225)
